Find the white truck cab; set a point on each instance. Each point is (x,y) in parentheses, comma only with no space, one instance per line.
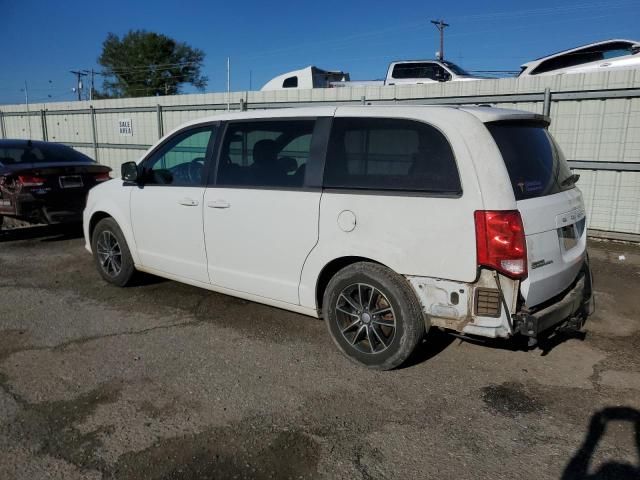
(385,221)
(415,72)
(426,71)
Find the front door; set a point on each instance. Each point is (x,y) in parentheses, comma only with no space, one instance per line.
(166,210)
(261,217)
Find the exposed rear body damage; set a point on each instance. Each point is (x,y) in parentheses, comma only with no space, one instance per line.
(534,273)
(558,286)
(45,183)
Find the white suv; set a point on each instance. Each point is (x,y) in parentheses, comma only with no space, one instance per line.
(385,221)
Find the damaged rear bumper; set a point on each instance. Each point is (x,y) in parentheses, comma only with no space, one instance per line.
(454,305)
(42,210)
(571,307)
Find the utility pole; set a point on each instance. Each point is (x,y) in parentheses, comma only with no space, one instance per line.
(92,87)
(79,75)
(440,25)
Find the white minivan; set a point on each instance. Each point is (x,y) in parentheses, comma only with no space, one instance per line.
(383,220)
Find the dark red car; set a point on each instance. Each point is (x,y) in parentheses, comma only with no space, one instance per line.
(43,182)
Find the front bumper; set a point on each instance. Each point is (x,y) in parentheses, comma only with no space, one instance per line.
(571,307)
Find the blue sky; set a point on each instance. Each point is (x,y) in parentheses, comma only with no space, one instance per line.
(42,40)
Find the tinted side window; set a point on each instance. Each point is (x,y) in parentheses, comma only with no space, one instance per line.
(180,161)
(390,154)
(430,71)
(265,153)
(291,82)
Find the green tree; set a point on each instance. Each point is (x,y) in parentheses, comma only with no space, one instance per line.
(147,64)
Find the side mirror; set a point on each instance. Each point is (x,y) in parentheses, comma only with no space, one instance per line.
(130,172)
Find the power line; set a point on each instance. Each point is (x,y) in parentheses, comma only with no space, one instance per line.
(530,25)
(160,66)
(50,98)
(169,77)
(544,11)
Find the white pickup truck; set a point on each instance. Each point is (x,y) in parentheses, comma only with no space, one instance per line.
(401,72)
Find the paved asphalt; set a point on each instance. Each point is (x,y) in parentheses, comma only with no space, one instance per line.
(167,381)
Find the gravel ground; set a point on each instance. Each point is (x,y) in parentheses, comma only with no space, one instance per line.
(167,381)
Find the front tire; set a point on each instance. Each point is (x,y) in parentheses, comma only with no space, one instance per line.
(373,315)
(111,253)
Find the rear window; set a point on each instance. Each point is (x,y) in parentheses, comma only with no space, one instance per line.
(39,153)
(534,161)
(390,154)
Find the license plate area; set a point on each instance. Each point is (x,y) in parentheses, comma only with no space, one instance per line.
(70,181)
(568,237)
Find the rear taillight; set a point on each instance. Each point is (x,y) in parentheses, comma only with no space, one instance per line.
(500,242)
(31,180)
(102,177)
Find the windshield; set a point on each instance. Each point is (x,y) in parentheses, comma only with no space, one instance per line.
(455,68)
(534,161)
(51,153)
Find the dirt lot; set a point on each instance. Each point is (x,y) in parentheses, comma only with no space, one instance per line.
(166,381)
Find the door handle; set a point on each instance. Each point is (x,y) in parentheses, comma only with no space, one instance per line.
(188,202)
(218,204)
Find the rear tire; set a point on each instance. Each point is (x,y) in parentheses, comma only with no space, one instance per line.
(111,253)
(373,315)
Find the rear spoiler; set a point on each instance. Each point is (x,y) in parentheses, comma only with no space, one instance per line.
(488,114)
(534,119)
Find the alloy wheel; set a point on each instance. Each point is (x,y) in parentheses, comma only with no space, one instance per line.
(365,318)
(109,253)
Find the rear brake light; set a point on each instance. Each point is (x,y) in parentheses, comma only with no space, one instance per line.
(102,177)
(31,180)
(500,242)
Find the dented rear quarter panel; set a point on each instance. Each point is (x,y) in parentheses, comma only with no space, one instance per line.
(458,313)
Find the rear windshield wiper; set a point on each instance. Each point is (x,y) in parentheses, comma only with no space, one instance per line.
(570,180)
